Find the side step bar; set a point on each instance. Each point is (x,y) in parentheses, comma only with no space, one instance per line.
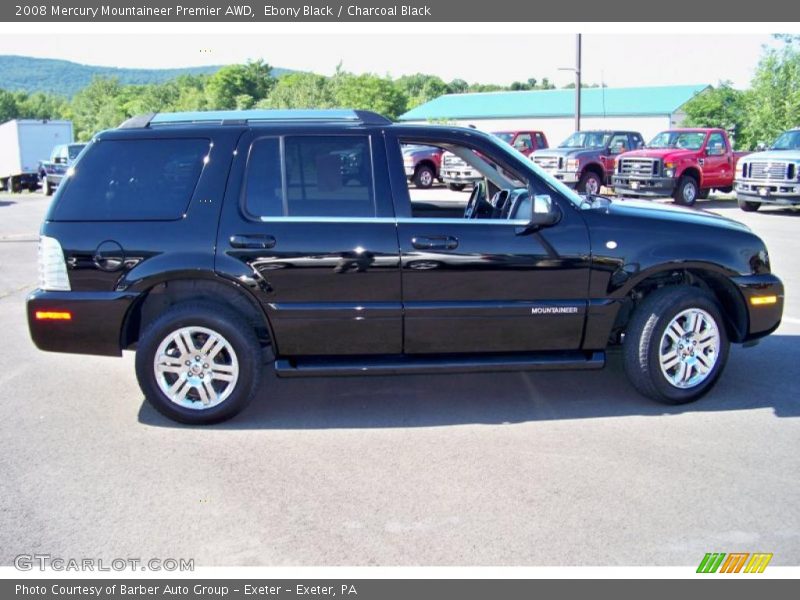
(327,366)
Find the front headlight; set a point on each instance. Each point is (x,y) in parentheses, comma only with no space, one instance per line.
(573,164)
(669,169)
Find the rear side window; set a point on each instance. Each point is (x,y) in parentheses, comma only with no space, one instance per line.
(133,180)
(310,176)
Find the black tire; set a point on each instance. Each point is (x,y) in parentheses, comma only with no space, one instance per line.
(47,187)
(703,194)
(590,180)
(221,320)
(424,177)
(14,185)
(645,332)
(686,191)
(456,187)
(748,206)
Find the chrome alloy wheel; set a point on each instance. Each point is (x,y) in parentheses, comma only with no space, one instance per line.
(689,348)
(426,178)
(196,368)
(689,193)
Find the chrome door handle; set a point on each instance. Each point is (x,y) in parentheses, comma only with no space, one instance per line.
(442,242)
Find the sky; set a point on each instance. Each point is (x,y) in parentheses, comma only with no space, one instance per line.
(616,60)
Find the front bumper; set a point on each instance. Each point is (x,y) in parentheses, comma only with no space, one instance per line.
(768,192)
(460,175)
(763,319)
(95,326)
(570,178)
(657,187)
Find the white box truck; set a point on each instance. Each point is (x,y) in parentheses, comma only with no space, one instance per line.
(25,142)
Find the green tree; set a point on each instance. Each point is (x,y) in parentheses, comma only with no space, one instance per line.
(8,106)
(300,90)
(773,103)
(458,86)
(722,106)
(421,88)
(227,87)
(369,92)
(99,106)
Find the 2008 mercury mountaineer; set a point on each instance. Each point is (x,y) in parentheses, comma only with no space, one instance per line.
(215,243)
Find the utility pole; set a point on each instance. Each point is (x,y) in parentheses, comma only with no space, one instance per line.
(578,82)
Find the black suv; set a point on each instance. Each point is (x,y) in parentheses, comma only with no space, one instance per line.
(215,243)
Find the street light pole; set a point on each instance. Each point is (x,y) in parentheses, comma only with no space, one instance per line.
(578,82)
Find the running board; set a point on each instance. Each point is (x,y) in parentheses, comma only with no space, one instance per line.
(330,366)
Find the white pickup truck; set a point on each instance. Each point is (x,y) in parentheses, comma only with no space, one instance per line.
(771,177)
(23,144)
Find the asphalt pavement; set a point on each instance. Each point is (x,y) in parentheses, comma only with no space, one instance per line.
(562,468)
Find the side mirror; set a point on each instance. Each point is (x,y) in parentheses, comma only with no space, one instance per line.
(761,146)
(543,213)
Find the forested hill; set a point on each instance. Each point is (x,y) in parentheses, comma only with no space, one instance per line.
(65,78)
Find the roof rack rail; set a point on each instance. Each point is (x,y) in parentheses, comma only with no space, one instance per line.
(241,117)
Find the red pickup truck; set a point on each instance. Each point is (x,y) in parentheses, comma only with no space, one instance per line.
(683,163)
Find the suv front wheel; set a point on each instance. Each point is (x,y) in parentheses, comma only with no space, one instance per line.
(676,346)
(199,363)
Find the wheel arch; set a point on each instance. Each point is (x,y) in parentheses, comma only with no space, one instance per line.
(164,293)
(694,173)
(710,278)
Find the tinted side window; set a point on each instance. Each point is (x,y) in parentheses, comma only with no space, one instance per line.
(322,176)
(133,180)
(329,176)
(264,183)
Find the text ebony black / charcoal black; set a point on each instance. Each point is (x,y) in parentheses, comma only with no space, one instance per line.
(214,244)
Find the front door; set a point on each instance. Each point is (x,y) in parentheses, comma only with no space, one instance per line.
(717,163)
(479,284)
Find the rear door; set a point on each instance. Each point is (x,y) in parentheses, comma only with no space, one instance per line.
(308,225)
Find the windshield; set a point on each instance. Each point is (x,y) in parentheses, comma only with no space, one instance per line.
(504,135)
(74,150)
(686,140)
(586,139)
(789,140)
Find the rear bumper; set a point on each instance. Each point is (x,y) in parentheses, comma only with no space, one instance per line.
(763,319)
(658,187)
(94,327)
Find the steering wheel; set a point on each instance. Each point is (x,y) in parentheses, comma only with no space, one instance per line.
(477,204)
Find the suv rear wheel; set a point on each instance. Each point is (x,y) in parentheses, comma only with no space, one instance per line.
(199,363)
(676,345)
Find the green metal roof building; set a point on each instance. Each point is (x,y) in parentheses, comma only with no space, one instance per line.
(644,109)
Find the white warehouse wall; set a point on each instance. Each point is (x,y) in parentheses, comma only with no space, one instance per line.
(559,128)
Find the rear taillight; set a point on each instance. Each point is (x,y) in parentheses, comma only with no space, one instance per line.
(52,266)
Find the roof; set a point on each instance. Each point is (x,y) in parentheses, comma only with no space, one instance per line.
(256,115)
(595,102)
